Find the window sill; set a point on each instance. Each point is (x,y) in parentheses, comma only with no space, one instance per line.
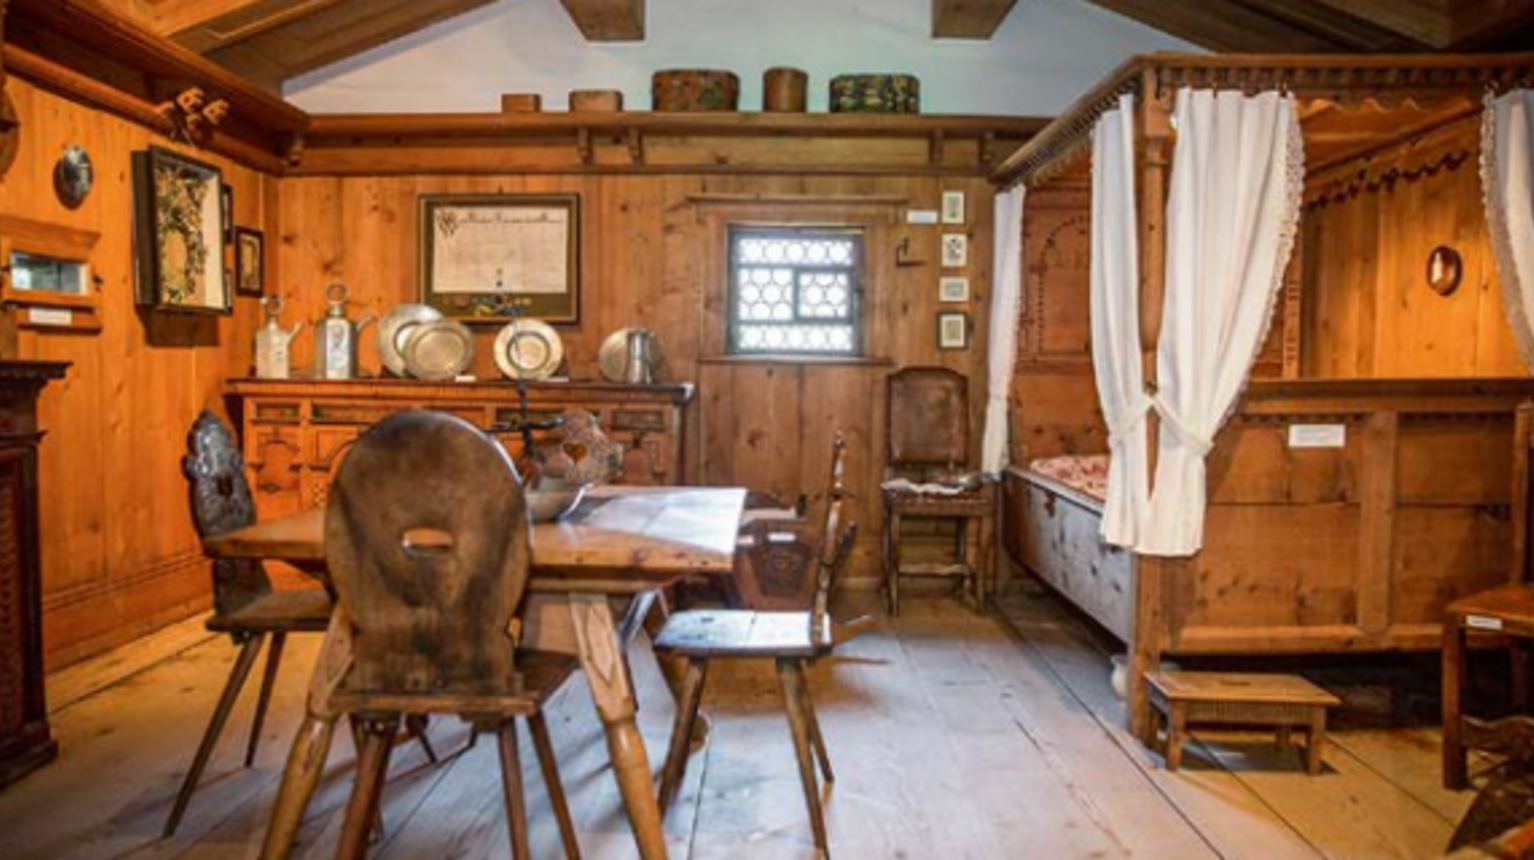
(827,360)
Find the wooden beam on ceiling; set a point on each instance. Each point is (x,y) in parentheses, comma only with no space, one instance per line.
(968,19)
(1491,24)
(608,20)
(1226,27)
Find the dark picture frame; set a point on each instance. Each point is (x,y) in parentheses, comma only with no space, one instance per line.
(491,257)
(249,262)
(178,230)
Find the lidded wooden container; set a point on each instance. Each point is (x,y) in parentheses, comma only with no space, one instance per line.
(880,93)
(595,101)
(785,90)
(695,90)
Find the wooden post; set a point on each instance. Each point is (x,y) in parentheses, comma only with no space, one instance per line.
(9,132)
(1147,634)
(1523,427)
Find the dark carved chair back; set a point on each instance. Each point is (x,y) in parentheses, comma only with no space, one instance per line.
(428,544)
(928,417)
(221,502)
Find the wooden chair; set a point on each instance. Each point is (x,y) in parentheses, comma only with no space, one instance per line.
(791,639)
(244,604)
(1508,612)
(428,545)
(927,427)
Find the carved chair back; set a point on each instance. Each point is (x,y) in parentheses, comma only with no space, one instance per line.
(835,541)
(221,502)
(928,418)
(428,544)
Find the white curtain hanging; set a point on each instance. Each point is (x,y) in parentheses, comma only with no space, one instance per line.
(1507,181)
(1006,304)
(1238,173)
(1115,295)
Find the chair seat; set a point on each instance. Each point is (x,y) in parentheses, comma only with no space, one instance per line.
(302,610)
(539,673)
(971,503)
(741,633)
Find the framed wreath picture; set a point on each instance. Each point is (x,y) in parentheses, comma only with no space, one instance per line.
(178,233)
(487,258)
(249,262)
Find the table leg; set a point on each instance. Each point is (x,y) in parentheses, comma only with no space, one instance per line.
(306,762)
(1455,777)
(601,656)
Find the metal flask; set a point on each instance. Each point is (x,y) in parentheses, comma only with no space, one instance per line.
(335,337)
(272,342)
(640,370)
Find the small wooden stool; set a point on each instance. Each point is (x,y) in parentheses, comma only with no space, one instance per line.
(1281,701)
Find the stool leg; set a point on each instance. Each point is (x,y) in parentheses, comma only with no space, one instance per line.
(550,766)
(249,650)
(1455,777)
(791,679)
(264,698)
(363,806)
(681,731)
(893,566)
(1316,747)
(1174,737)
(511,784)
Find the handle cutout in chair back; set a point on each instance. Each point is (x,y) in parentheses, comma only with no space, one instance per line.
(427,540)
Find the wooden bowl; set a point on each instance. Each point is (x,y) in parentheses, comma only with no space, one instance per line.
(547,505)
(691,90)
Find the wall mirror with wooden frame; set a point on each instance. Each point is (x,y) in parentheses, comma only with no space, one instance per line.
(46,280)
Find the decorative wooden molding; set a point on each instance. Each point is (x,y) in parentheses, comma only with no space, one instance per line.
(796,200)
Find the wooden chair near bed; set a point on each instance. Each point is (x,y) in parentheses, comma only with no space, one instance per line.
(927,428)
(1507,612)
(428,544)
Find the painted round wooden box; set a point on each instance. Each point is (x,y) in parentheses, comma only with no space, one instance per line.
(882,93)
(695,90)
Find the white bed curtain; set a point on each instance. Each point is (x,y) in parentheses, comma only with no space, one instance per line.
(1115,295)
(1233,205)
(1006,304)
(1507,177)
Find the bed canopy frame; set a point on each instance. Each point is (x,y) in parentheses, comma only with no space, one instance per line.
(1349,107)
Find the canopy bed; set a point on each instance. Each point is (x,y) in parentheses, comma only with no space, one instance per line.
(1311,441)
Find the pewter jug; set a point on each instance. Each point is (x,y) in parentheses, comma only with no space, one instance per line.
(640,369)
(272,342)
(335,337)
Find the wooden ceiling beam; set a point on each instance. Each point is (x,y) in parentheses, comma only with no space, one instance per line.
(1230,28)
(608,20)
(968,19)
(1368,26)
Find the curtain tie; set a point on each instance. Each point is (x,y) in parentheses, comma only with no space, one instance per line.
(1190,439)
(1134,415)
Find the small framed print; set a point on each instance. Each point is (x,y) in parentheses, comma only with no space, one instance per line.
(955,250)
(249,262)
(953,330)
(953,289)
(953,207)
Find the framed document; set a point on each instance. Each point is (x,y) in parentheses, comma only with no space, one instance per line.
(489,257)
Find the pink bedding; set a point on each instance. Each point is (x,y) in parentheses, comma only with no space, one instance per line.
(1087,473)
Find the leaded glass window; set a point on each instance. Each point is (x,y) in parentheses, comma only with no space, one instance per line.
(795,291)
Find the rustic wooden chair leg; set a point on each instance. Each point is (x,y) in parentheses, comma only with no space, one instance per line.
(821,756)
(415,727)
(791,679)
(1176,734)
(249,650)
(1315,747)
(681,731)
(362,809)
(264,698)
(892,567)
(1455,774)
(306,761)
(550,767)
(511,784)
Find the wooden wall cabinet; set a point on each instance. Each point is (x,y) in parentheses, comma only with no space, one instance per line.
(294,433)
(25,741)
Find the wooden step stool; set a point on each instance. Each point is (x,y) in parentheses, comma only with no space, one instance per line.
(1281,701)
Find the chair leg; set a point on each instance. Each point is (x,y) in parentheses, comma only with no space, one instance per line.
(415,727)
(550,767)
(681,731)
(816,738)
(249,650)
(892,562)
(268,679)
(511,785)
(791,679)
(363,806)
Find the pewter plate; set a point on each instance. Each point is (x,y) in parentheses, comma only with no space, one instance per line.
(438,350)
(395,328)
(613,357)
(529,349)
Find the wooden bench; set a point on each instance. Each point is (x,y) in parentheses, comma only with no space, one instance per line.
(1283,702)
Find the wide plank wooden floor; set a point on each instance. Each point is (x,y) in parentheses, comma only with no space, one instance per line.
(953,736)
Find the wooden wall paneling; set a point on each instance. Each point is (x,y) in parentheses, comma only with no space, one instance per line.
(119,553)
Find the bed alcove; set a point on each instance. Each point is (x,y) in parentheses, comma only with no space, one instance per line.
(1351,536)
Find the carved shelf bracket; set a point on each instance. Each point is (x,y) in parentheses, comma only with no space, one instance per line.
(636,146)
(583,144)
(193,116)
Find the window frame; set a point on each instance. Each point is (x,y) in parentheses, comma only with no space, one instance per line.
(858,272)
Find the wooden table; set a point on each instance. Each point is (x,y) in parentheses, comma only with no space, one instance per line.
(1282,702)
(621,543)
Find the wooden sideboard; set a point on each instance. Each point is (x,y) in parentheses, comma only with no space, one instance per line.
(25,741)
(295,432)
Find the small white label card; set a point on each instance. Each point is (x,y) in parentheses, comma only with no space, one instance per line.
(1318,435)
(921,216)
(1482,622)
(50,316)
